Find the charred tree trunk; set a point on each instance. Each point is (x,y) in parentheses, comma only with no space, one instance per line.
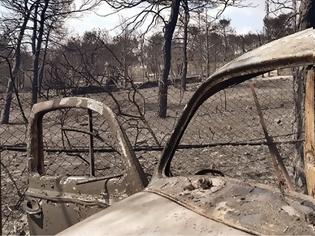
(41,71)
(295,11)
(307,14)
(307,20)
(5,116)
(35,82)
(207,46)
(185,39)
(167,53)
(34,33)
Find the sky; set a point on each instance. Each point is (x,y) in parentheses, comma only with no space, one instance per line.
(246,20)
(243,20)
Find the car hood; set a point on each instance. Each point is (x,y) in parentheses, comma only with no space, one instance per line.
(252,208)
(147,213)
(203,205)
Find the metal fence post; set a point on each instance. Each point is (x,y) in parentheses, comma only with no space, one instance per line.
(91,144)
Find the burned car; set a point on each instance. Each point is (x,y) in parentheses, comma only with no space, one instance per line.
(208,203)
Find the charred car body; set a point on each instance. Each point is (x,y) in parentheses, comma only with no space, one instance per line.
(212,205)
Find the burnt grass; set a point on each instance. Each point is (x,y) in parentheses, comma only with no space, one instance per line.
(224,135)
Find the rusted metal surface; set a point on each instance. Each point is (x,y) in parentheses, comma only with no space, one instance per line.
(146,214)
(247,207)
(203,206)
(62,202)
(54,203)
(294,50)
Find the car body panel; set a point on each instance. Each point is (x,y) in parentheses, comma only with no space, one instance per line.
(148,214)
(204,205)
(253,208)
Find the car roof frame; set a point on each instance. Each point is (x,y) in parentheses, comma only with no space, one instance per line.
(291,51)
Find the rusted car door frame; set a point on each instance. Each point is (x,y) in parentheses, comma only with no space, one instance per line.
(35,135)
(72,189)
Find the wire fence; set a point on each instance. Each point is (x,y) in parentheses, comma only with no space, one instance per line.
(225,134)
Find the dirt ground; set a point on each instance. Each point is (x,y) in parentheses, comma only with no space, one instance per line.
(229,119)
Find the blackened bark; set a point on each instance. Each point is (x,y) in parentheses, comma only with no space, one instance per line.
(185,59)
(307,14)
(167,51)
(34,34)
(41,29)
(299,92)
(307,20)
(207,46)
(41,71)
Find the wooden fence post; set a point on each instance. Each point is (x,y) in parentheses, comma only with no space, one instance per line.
(309,147)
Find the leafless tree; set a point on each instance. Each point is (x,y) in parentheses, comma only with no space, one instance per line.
(22,10)
(45,14)
(185,42)
(48,16)
(155,8)
(278,26)
(168,34)
(224,24)
(153,51)
(86,60)
(6,59)
(286,7)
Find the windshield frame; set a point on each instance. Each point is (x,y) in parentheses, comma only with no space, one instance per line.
(249,65)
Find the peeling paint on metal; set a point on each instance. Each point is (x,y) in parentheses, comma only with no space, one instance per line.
(249,207)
